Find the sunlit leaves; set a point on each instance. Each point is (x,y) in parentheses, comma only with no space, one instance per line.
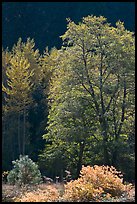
(95,184)
(88,82)
(18,82)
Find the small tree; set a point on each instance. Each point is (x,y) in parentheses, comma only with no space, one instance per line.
(25,171)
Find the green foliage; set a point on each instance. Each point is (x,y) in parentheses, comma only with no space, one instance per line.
(25,171)
(81,98)
(91,96)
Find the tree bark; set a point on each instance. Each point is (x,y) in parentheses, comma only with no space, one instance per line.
(3,132)
(103,120)
(103,124)
(118,132)
(80,157)
(19,142)
(24,131)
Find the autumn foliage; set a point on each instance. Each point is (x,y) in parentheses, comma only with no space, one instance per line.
(95,183)
(48,194)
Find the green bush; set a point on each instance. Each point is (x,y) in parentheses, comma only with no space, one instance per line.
(25,171)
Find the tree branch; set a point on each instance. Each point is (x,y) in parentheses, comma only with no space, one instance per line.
(89,82)
(123,108)
(113,95)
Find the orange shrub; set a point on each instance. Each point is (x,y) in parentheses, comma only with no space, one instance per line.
(95,183)
(78,191)
(105,177)
(50,194)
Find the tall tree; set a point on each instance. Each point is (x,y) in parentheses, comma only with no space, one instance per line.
(36,111)
(104,62)
(97,65)
(18,92)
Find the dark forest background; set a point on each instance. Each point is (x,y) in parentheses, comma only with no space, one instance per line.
(46,21)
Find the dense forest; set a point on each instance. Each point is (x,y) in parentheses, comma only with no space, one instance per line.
(71,106)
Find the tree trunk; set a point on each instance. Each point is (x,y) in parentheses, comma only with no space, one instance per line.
(80,157)
(114,158)
(114,153)
(103,124)
(105,152)
(19,142)
(24,131)
(3,133)
(118,132)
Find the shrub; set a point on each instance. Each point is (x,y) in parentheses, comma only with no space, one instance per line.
(50,194)
(78,191)
(108,178)
(25,171)
(95,183)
